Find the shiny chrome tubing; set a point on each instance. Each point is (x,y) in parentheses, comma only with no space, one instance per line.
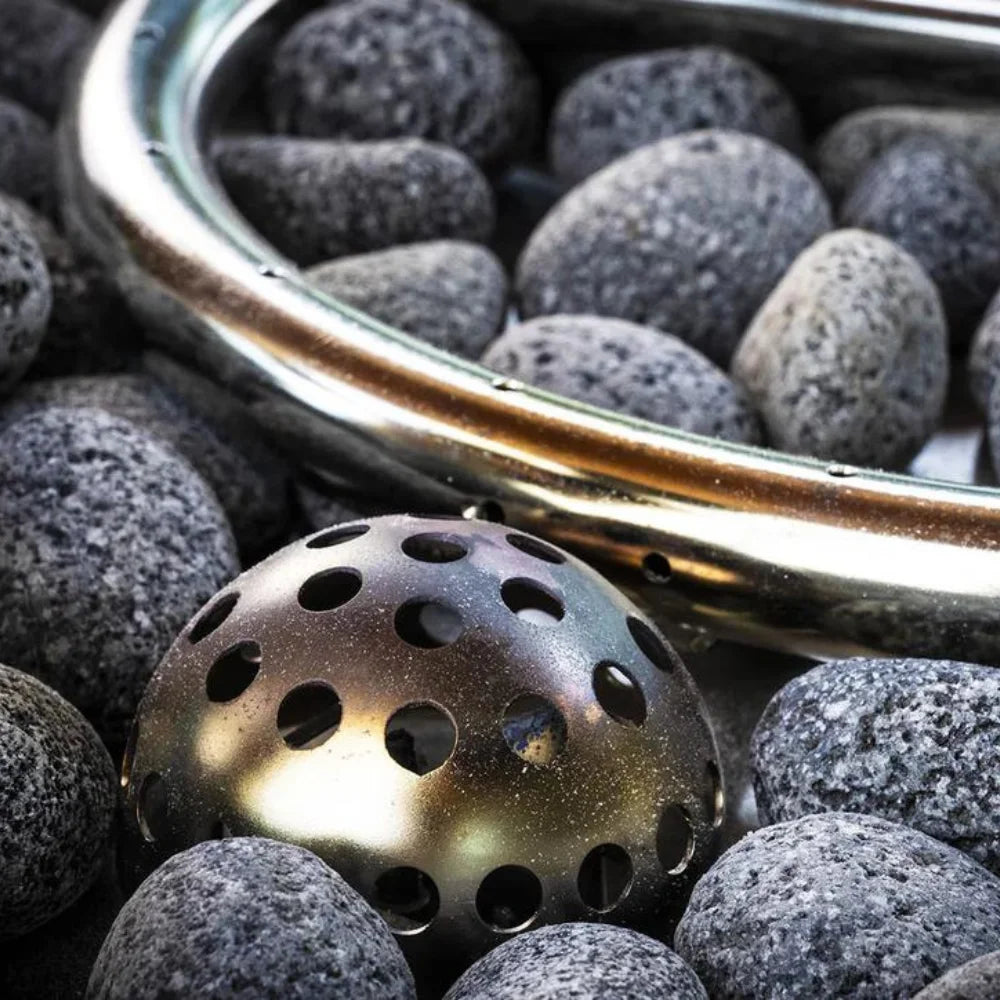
(727,540)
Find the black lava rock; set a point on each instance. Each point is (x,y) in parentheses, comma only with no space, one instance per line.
(629,368)
(847,359)
(27,157)
(627,103)
(993,425)
(449,293)
(837,906)
(658,237)
(881,737)
(976,980)
(385,69)
(322,506)
(109,542)
(984,356)
(579,962)
(57,804)
(243,918)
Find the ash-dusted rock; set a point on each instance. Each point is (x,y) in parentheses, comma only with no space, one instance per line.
(848,359)
(837,906)
(109,542)
(688,235)
(27,157)
(881,737)
(579,962)
(629,368)
(449,293)
(248,917)
(984,355)
(976,980)
(927,200)
(627,103)
(316,199)
(384,69)
(57,803)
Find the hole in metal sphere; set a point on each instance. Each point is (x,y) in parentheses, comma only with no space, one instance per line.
(213,617)
(605,877)
(128,758)
(233,672)
(509,898)
(539,549)
(407,898)
(674,840)
(619,695)
(151,807)
(420,737)
(532,602)
(434,548)
(428,624)
(534,729)
(329,590)
(651,645)
(309,715)
(716,794)
(337,536)
(656,568)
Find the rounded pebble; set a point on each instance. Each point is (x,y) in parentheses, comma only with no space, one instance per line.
(839,906)
(976,980)
(579,962)
(993,426)
(243,918)
(109,542)
(847,360)
(661,235)
(627,103)
(27,157)
(632,369)
(880,737)
(58,793)
(984,355)
(451,294)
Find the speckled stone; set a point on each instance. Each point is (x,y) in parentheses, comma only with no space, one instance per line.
(322,507)
(27,157)
(245,918)
(384,69)
(839,906)
(984,355)
(627,103)
(316,199)
(628,368)
(847,359)
(993,426)
(976,980)
(882,737)
(57,801)
(579,962)
(109,542)
(657,237)
(449,293)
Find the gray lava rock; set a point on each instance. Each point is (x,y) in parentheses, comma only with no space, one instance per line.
(689,235)
(993,425)
(384,69)
(839,906)
(449,293)
(882,737)
(629,368)
(246,918)
(847,359)
(579,962)
(57,803)
(976,980)
(984,355)
(627,103)
(27,157)
(109,542)
(316,199)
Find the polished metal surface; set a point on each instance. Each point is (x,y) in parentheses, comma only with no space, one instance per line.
(762,547)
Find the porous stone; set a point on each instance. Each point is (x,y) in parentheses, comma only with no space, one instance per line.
(579,962)
(688,234)
(881,737)
(627,103)
(243,918)
(976,980)
(993,425)
(847,359)
(27,157)
(629,368)
(321,507)
(383,69)
(316,199)
(109,542)
(838,905)
(57,802)
(984,356)
(449,293)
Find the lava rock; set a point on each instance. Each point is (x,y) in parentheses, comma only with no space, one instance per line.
(847,359)
(880,737)
(984,356)
(109,542)
(627,103)
(632,369)
(837,906)
(579,962)
(27,157)
(688,234)
(976,980)
(57,803)
(248,917)
(449,293)
(384,69)
(993,426)
(316,199)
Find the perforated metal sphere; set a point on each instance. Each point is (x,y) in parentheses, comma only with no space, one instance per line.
(473,727)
